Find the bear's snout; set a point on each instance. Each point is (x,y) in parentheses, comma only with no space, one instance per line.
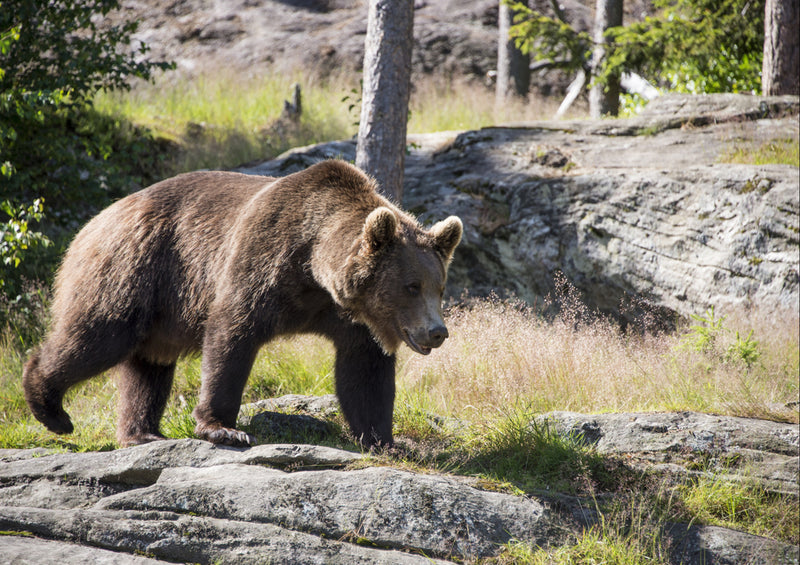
(437,335)
(424,340)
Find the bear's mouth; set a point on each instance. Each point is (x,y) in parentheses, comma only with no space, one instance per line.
(414,345)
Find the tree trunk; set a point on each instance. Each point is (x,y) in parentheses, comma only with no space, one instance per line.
(604,99)
(381,142)
(780,71)
(513,68)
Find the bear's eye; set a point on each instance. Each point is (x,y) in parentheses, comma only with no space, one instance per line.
(413,289)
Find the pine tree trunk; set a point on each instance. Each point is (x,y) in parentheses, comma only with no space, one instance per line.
(604,99)
(513,68)
(381,143)
(780,71)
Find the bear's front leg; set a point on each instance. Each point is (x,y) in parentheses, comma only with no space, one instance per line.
(226,365)
(365,386)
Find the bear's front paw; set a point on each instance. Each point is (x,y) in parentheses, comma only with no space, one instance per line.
(226,436)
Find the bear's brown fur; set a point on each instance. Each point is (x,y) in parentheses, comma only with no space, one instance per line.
(222,263)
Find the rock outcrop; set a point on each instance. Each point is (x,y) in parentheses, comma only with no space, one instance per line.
(642,207)
(187,501)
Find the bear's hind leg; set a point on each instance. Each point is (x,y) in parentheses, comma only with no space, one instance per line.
(144,389)
(44,397)
(56,366)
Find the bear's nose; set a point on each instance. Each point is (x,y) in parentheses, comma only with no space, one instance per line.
(437,335)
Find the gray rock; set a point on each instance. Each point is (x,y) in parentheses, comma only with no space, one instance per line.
(34,551)
(190,501)
(451,38)
(770,451)
(721,546)
(167,537)
(436,515)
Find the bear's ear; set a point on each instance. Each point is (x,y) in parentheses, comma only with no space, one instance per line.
(379,228)
(446,235)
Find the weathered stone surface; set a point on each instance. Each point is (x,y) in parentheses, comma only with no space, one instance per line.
(34,551)
(387,507)
(721,546)
(451,37)
(312,405)
(637,207)
(190,501)
(770,451)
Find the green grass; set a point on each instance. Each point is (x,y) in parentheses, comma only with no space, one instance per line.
(778,152)
(220,120)
(469,407)
(223,120)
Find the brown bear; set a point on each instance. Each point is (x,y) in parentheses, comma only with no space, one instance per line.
(223,262)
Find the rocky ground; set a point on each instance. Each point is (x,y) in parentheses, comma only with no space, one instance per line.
(455,39)
(187,501)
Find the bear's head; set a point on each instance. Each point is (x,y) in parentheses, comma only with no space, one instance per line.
(393,281)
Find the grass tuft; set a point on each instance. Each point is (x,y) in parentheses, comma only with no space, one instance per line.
(778,152)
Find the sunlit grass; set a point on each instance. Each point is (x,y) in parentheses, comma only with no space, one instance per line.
(777,151)
(500,353)
(222,119)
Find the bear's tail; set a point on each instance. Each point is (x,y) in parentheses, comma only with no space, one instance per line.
(43,398)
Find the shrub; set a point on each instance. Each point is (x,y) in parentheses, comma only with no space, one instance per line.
(53,57)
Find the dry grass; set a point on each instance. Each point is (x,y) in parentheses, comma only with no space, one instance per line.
(442,105)
(502,354)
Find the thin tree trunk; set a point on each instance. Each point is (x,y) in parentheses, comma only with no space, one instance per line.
(780,71)
(513,68)
(381,145)
(604,99)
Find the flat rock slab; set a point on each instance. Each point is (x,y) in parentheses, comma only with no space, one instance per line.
(190,501)
(770,451)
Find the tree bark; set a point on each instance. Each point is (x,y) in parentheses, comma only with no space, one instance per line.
(381,146)
(513,68)
(780,71)
(604,99)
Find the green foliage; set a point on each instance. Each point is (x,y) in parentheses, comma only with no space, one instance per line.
(16,236)
(60,48)
(745,349)
(548,38)
(702,335)
(53,57)
(695,46)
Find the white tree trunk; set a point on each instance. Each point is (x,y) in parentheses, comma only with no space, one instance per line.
(604,99)
(513,68)
(381,143)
